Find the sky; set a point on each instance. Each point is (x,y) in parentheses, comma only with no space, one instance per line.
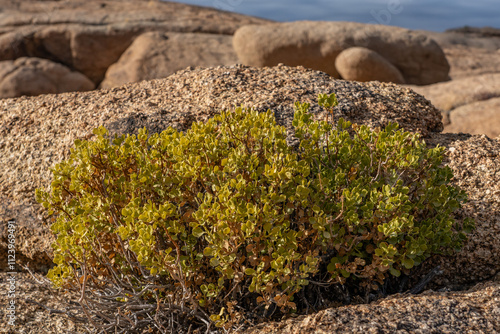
(435,15)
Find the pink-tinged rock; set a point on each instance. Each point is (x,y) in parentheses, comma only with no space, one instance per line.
(35,76)
(157,55)
(316,45)
(362,64)
(452,94)
(481,117)
(91,35)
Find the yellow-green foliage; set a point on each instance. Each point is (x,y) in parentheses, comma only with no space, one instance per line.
(229,208)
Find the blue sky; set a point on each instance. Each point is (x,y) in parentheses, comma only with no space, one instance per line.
(412,14)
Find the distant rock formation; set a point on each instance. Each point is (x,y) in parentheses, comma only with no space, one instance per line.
(362,64)
(480,117)
(477,32)
(316,45)
(157,55)
(35,76)
(89,36)
(469,104)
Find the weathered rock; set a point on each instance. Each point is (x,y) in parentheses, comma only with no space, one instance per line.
(476,32)
(473,311)
(449,95)
(40,130)
(87,49)
(482,117)
(469,104)
(157,55)
(475,161)
(30,319)
(133,14)
(316,45)
(470,61)
(89,36)
(35,76)
(468,53)
(451,39)
(362,64)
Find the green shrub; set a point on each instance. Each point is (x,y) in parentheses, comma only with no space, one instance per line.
(227,216)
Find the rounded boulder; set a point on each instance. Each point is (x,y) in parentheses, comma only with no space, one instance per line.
(362,64)
(35,76)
